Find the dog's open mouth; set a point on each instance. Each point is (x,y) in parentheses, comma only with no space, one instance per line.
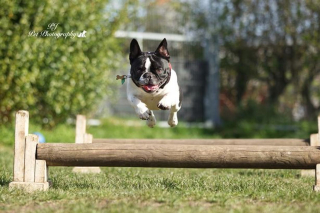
(150,88)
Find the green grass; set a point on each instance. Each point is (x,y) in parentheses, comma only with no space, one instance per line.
(161,190)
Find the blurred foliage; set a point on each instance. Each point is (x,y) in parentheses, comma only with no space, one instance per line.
(267,46)
(253,120)
(163,16)
(145,16)
(268,50)
(56,77)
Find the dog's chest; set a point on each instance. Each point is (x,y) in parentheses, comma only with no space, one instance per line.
(151,100)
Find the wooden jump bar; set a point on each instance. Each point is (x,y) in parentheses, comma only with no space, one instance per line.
(179,156)
(32,158)
(258,142)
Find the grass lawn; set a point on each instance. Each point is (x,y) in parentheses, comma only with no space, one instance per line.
(159,190)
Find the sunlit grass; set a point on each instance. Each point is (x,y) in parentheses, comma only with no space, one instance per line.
(155,189)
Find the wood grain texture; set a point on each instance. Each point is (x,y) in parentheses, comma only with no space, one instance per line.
(30,160)
(314,140)
(179,156)
(21,131)
(41,175)
(258,142)
(80,128)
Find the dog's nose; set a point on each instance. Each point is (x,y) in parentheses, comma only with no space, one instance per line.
(147,76)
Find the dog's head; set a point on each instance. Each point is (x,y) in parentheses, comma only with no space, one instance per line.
(150,71)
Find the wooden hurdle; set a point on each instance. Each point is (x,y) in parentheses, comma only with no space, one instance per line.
(179,156)
(83,137)
(248,142)
(29,173)
(32,158)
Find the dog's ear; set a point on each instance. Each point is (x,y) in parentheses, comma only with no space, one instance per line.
(162,49)
(135,50)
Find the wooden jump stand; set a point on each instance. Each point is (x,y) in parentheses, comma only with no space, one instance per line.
(83,137)
(314,141)
(31,174)
(31,159)
(315,138)
(28,173)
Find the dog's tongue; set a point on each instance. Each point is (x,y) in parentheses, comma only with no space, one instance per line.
(150,87)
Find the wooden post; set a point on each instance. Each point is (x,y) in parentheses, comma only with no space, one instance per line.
(80,128)
(81,138)
(317,172)
(34,174)
(30,159)
(21,131)
(314,141)
(316,187)
(41,175)
(88,138)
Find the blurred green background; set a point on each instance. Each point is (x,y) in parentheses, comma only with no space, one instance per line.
(55,78)
(268,54)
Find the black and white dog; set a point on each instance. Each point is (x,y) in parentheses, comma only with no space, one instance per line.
(153,84)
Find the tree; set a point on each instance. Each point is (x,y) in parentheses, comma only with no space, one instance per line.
(272,42)
(51,76)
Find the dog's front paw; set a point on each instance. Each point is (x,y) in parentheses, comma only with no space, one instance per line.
(151,122)
(165,103)
(144,115)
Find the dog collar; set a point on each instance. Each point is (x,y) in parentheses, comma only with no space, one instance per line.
(123,78)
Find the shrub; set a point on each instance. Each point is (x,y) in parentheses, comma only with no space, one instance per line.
(55,77)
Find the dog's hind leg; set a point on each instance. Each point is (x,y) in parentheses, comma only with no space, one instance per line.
(173,117)
(151,122)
